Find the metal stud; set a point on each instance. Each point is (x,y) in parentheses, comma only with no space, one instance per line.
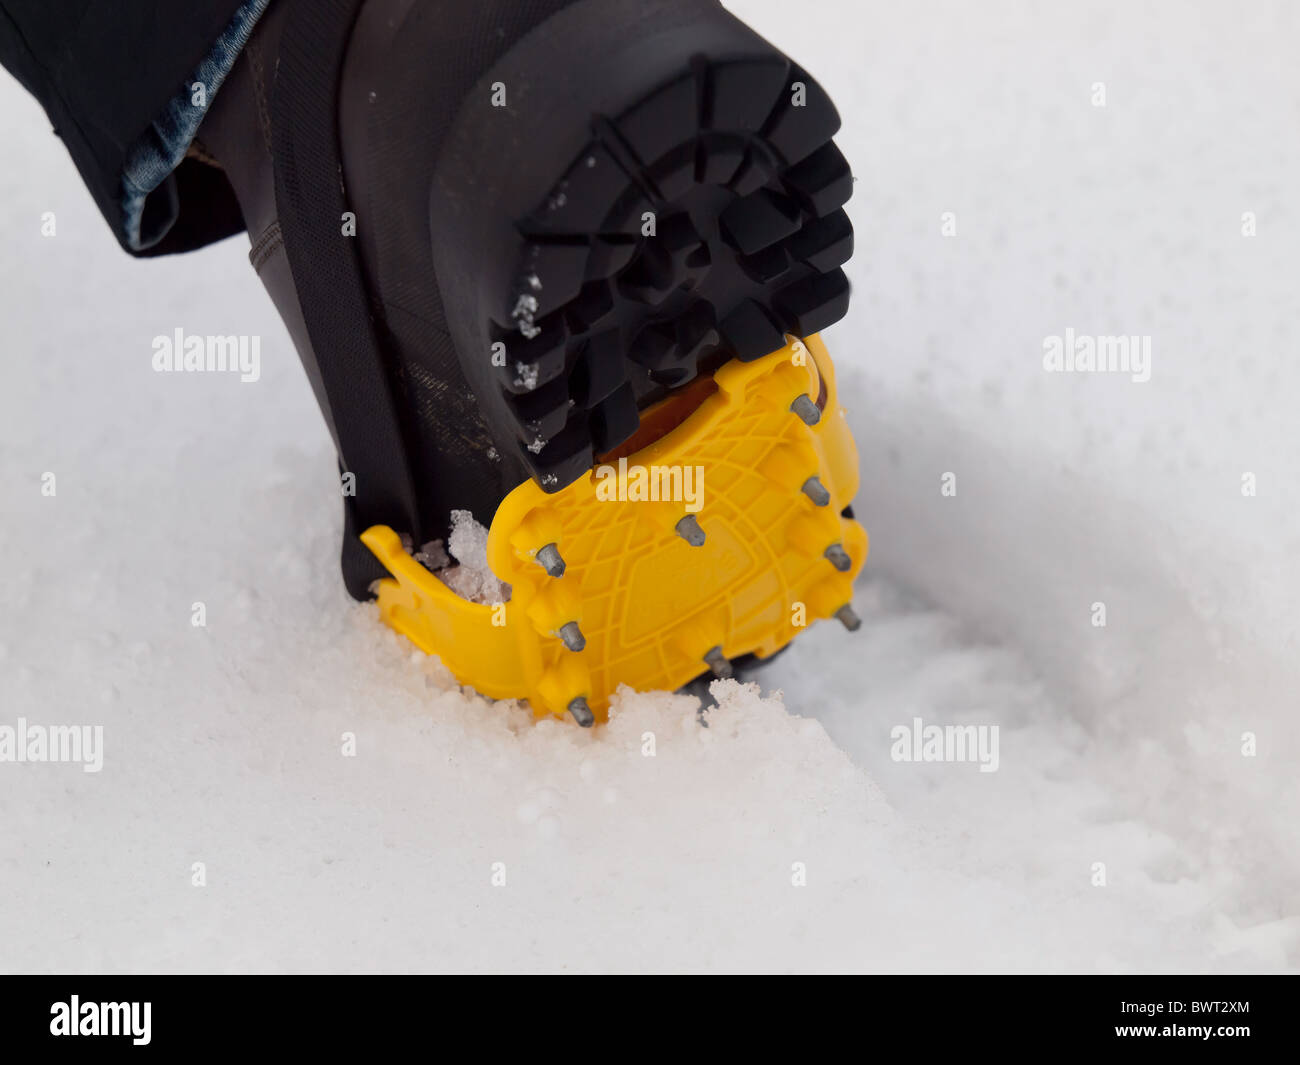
(839,558)
(572,636)
(582,712)
(718,663)
(816,491)
(689,530)
(848,618)
(549,559)
(806,409)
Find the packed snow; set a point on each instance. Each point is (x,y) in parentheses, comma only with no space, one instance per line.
(290,786)
(471,577)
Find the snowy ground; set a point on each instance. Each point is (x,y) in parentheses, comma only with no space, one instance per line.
(1119,745)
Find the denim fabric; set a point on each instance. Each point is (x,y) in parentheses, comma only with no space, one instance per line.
(161,149)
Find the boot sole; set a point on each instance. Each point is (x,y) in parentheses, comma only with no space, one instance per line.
(633,195)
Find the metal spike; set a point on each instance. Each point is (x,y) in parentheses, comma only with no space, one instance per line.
(549,559)
(582,712)
(848,618)
(717,662)
(572,636)
(816,491)
(839,558)
(806,409)
(689,530)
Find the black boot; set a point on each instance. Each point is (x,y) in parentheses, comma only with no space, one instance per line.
(561,211)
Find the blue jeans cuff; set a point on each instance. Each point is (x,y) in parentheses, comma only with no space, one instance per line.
(160,150)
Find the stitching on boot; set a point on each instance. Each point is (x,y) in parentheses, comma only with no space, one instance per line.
(266,246)
(259,91)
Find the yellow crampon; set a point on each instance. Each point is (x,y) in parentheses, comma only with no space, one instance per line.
(722,537)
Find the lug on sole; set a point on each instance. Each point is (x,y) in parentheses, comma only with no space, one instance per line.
(698,221)
(746,247)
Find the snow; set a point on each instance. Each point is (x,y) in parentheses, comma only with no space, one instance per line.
(432,556)
(783,836)
(472,578)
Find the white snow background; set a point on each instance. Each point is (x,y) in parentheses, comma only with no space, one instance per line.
(1120,745)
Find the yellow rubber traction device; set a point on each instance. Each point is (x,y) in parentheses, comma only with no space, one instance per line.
(638,599)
